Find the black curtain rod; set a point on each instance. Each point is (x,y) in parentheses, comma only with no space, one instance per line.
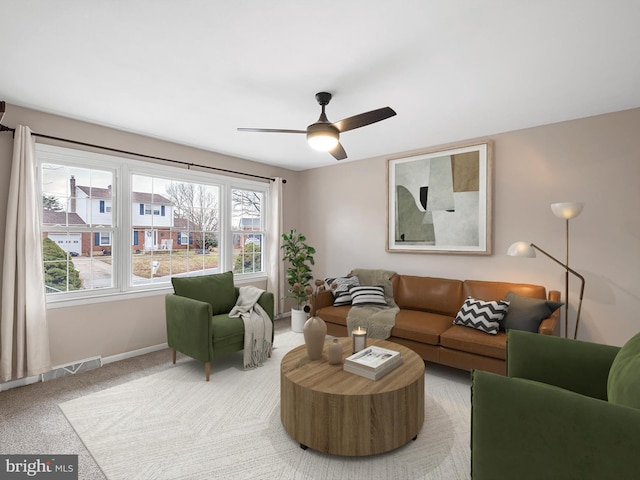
(4,128)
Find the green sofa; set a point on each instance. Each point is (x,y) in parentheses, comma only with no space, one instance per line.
(567,409)
(198,323)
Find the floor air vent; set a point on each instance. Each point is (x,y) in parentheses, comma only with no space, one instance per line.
(73,368)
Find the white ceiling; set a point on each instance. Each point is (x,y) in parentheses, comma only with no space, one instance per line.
(192,71)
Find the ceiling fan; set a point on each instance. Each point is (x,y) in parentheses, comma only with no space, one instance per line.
(324,135)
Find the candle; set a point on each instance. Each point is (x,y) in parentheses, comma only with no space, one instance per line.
(359,339)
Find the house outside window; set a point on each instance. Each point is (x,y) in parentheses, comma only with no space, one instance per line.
(170,222)
(105,238)
(183,238)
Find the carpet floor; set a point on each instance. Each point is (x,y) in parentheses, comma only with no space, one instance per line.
(174,425)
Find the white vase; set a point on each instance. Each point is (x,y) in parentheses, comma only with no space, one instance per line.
(298,319)
(334,352)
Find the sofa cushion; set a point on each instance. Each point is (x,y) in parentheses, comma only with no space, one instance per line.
(337,315)
(481,315)
(217,290)
(368,295)
(527,313)
(225,328)
(423,327)
(623,384)
(339,286)
(438,295)
(498,290)
(474,341)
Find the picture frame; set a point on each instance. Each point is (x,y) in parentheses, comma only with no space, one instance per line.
(439,201)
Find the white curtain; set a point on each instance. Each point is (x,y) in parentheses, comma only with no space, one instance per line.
(275,278)
(24,337)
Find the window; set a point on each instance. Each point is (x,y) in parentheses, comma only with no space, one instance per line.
(182,236)
(247,226)
(118,226)
(105,238)
(72,217)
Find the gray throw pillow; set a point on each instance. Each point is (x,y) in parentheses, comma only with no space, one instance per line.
(526,313)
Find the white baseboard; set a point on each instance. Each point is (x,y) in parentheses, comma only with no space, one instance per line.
(134,353)
(21,382)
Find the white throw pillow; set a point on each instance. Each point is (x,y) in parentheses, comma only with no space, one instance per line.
(368,295)
(341,295)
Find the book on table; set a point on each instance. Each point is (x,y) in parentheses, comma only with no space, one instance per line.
(373,362)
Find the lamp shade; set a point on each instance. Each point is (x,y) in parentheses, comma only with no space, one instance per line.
(521,249)
(322,136)
(567,210)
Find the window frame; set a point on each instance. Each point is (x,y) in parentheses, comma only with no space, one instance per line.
(122,228)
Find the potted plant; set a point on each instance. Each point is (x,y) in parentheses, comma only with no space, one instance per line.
(300,258)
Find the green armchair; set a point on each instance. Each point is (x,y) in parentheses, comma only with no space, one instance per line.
(567,409)
(198,323)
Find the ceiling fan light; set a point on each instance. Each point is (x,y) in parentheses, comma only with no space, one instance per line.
(322,137)
(322,142)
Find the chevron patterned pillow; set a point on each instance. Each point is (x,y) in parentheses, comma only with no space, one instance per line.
(484,316)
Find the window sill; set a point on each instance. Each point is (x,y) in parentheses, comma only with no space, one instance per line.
(141,293)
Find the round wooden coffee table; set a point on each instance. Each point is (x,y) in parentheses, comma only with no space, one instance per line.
(333,411)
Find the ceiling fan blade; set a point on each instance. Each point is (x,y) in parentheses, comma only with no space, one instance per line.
(363,119)
(270,130)
(338,152)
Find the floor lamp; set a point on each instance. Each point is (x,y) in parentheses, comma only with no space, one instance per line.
(566,210)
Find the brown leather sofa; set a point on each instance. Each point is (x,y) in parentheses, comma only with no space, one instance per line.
(428,307)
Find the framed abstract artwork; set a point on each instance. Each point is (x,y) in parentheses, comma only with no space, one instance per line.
(440,201)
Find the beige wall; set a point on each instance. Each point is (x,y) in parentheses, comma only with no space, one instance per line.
(115,327)
(342,210)
(595,160)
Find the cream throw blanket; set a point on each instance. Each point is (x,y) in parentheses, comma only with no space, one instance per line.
(377,320)
(257,326)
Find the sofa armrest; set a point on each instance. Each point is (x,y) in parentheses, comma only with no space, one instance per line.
(527,430)
(551,324)
(267,302)
(189,326)
(581,367)
(324,299)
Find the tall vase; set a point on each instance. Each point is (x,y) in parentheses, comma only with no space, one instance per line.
(315,331)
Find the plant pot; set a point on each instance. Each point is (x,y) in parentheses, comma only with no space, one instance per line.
(298,318)
(315,331)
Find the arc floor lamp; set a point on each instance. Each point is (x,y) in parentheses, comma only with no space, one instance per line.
(567,211)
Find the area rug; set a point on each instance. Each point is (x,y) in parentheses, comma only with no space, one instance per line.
(174,425)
